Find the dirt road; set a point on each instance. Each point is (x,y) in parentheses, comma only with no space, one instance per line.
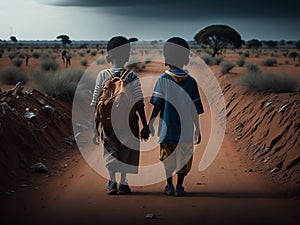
(225,193)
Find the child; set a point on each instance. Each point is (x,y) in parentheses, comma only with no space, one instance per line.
(177,99)
(116,153)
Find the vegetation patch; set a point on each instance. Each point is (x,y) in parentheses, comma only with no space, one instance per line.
(12,76)
(62,83)
(268,81)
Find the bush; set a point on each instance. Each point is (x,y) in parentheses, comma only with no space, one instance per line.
(268,81)
(17,62)
(62,83)
(208,59)
(100,61)
(36,54)
(83,62)
(12,55)
(49,64)
(13,75)
(252,68)
(81,54)
(226,67)
(218,60)
(93,53)
(241,61)
(269,62)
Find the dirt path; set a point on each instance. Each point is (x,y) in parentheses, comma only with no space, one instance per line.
(223,194)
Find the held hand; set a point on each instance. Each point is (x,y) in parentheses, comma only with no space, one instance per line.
(145,133)
(197,137)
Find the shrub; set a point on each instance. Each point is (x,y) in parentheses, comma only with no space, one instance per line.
(268,81)
(81,54)
(246,54)
(208,59)
(218,60)
(241,61)
(269,62)
(49,64)
(252,68)
(226,67)
(93,53)
(36,54)
(100,61)
(12,55)
(13,75)
(83,62)
(61,84)
(17,62)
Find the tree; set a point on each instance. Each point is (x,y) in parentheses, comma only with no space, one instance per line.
(218,37)
(272,44)
(14,40)
(254,43)
(298,44)
(133,39)
(65,39)
(293,55)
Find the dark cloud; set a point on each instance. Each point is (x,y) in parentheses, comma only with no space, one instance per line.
(189,9)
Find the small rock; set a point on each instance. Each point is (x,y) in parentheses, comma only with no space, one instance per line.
(249,170)
(39,167)
(283,108)
(275,170)
(151,216)
(268,103)
(198,183)
(66,165)
(24,185)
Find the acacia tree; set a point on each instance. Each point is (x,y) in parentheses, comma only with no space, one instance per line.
(254,43)
(218,37)
(133,39)
(65,39)
(14,40)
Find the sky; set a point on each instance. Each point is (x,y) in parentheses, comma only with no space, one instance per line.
(147,20)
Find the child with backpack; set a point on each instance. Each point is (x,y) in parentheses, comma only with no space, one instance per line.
(176,98)
(115,88)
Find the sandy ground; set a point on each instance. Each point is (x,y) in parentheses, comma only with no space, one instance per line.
(230,191)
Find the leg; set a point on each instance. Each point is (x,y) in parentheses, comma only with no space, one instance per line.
(168,159)
(180,179)
(123,178)
(123,187)
(112,184)
(112,176)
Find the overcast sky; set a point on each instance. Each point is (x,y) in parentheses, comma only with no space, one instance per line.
(147,20)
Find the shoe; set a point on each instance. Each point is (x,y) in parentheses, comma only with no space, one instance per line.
(179,191)
(169,190)
(124,189)
(112,188)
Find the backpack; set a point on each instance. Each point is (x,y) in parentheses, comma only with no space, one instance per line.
(113,97)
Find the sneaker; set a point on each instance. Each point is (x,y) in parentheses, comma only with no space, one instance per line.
(124,189)
(179,191)
(169,190)
(112,188)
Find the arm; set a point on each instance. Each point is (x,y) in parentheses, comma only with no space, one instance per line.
(197,135)
(199,110)
(154,114)
(145,132)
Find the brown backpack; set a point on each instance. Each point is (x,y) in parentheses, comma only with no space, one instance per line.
(113,97)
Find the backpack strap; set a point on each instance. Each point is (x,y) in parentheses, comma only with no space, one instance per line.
(122,76)
(110,74)
(124,73)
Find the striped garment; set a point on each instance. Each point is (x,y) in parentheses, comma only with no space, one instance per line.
(132,82)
